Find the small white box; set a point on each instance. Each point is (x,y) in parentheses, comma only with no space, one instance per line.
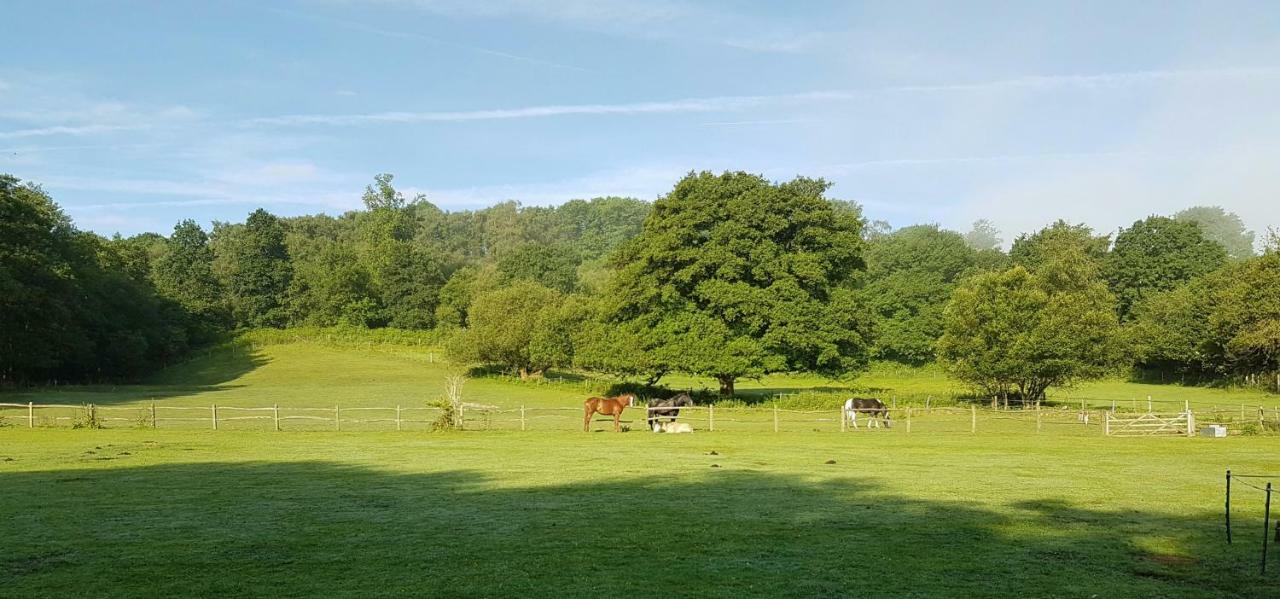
(1214,430)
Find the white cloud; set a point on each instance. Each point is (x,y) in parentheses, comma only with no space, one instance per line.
(733,103)
(64,130)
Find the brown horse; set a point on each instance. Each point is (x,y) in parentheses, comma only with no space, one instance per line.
(612,406)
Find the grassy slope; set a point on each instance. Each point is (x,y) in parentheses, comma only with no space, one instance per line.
(165,513)
(313,374)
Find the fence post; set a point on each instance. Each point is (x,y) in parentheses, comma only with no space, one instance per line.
(462,417)
(1037,415)
(1106,424)
(973,419)
(1266,528)
(1113,405)
(1148,404)
(397,416)
(1228,507)
(31,415)
(1262,416)
(275,416)
(337,419)
(711,417)
(908,420)
(928,400)
(1191,423)
(153,414)
(522,417)
(213,409)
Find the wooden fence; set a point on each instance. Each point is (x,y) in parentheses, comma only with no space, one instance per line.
(906,419)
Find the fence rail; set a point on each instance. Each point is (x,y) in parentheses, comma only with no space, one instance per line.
(928,419)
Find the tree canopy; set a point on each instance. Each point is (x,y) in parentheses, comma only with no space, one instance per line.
(1020,332)
(1158,254)
(734,276)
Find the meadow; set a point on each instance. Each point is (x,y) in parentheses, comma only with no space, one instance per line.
(132,511)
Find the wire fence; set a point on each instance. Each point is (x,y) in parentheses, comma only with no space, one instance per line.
(903,419)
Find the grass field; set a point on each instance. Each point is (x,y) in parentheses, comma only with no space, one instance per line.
(162,513)
(738,512)
(318,375)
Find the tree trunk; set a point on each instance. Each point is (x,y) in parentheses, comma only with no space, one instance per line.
(524,373)
(726,384)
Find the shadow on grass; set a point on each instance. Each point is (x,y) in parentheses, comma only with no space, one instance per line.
(208,371)
(322,529)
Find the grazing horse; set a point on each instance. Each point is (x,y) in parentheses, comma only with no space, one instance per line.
(873,408)
(668,408)
(612,406)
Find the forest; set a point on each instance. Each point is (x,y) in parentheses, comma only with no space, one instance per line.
(728,276)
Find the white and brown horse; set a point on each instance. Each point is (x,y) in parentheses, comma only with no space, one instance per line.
(873,408)
(610,406)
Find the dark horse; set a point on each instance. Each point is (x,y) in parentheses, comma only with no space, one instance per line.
(873,408)
(612,406)
(668,408)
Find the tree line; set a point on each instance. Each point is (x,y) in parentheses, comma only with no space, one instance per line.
(728,276)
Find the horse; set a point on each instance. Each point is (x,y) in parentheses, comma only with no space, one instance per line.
(873,408)
(612,406)
(672,427)
(668,408)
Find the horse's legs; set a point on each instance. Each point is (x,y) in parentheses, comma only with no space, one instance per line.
(617,426)
(586,421)
(853,418)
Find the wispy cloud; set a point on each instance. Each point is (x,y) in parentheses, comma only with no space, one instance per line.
(65,130)
(405,35)
(731,103)
(665,20)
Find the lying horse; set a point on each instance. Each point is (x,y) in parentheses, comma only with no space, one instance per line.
(873,408)
(668,408)
(612,406)
(672,427)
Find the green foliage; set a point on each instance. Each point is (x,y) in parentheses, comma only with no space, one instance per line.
(183,272)
(1224,323)
(910,276)
(1021,332)
(1030,251)
(733,276)
(1221,226)
(75,306)
(1157,254)
(253,263)
(554,266)
(510,327)
(983,236)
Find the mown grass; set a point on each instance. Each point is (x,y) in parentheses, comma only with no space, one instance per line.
(315,370)
(132,513)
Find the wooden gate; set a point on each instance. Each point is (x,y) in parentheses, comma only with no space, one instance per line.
(1142,425)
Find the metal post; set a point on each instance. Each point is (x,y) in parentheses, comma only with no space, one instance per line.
(153,414)
(1266,528)
(1228,507)
(275,416)
(213,409)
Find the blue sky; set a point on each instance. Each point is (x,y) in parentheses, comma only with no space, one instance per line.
(134,115)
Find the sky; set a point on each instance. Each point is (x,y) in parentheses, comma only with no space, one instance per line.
(135,115)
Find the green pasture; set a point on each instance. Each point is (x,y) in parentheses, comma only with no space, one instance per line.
(314,374)
(133,513)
